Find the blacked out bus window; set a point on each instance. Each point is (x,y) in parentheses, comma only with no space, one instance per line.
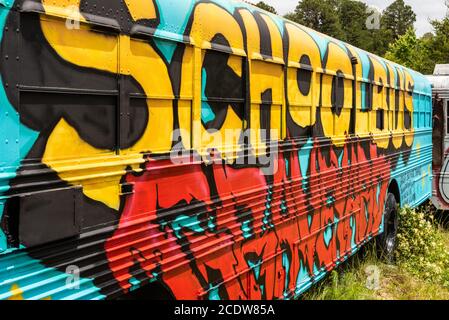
(380,119)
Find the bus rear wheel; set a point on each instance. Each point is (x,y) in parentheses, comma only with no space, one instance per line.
(387,241)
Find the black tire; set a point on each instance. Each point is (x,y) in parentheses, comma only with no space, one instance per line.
(387,241)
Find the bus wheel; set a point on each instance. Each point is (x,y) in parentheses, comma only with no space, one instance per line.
(387,241)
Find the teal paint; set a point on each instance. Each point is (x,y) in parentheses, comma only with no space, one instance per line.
(330,201)
(7,4)
(284,207)
(167,48)
(268,218)
(255,266)
(210,224)
(214,294)
(342,45)
(39,282)
(304,160)
(18,139)
(135,284)
(363,88)
(353,228)
(366,66)
(246,229)
(321,40)
(422,84)
(174,17)
(382,62)
(279,23)
(340,159)
(207,115)
(286,266)
(183,221)
(318,273)
(262,289)
(231,6)
(303,279)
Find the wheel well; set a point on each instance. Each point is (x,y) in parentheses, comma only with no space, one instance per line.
(394,189)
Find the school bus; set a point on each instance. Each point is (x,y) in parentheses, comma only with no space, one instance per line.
(196,150)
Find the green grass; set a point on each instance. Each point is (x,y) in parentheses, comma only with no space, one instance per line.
(403,281)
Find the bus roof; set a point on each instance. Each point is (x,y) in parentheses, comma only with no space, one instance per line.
(175,17)
(441,70)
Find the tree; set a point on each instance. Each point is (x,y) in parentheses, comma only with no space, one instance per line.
(412,52)
(291,16)
(427,36)
(321,15)
(423,53)
(353,16)
(266,7)
(398,18)
(438,44)
(347,20)
(378,41)
(342,19)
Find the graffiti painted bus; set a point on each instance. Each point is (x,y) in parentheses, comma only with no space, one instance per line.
(440,89)
(203,149)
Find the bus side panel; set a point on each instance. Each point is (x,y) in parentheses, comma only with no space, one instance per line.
(125,181)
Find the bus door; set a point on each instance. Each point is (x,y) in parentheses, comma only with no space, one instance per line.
(440,139)
(443,104)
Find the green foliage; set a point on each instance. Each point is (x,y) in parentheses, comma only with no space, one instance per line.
(396,38)
(405,50)
(398,18)
(412,52)
(347,282)
(320,15)
(438,44)
(353,16)
(346,20)
(266,7)
(422,250)
(421,54)
(345,286)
